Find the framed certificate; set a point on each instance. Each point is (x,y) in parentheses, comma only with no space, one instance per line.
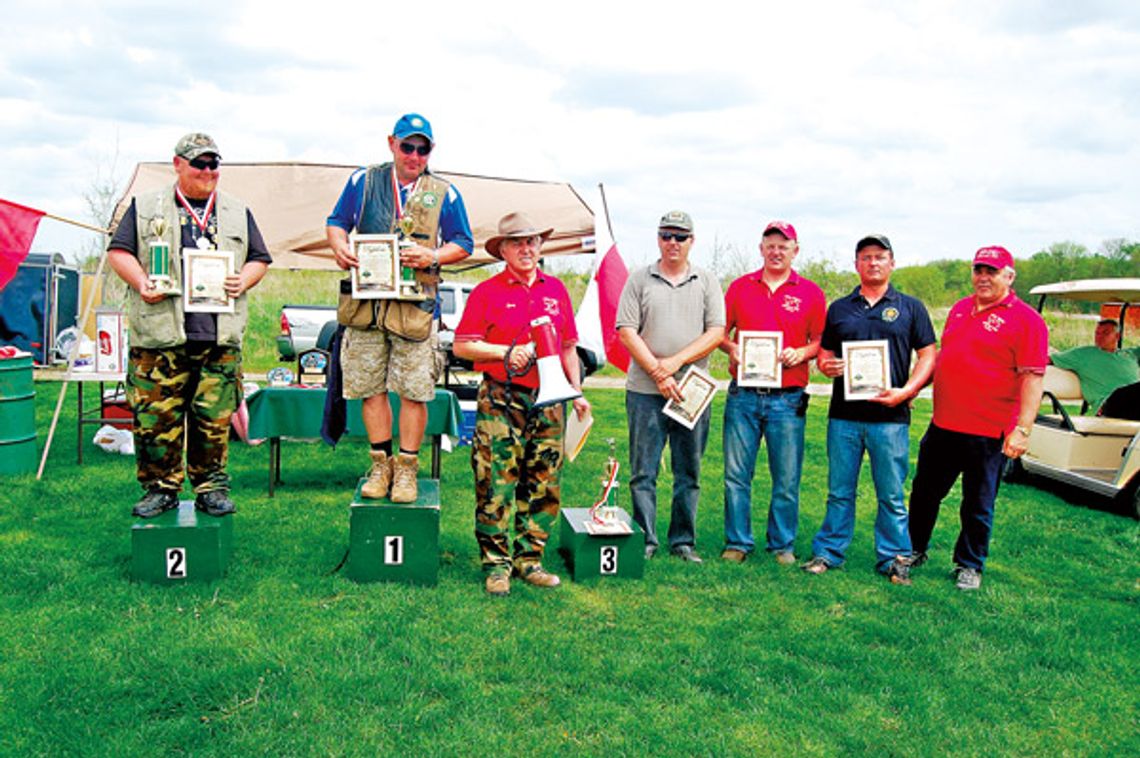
(204,274)
(697,390)
(760,359)
(377,273)
(867,369)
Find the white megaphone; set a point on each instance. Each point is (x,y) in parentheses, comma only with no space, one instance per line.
(552,384)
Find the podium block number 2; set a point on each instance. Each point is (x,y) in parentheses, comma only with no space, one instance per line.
(609,560)
(394,550)
(175,563)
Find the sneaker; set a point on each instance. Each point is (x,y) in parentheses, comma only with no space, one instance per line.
(155,503)
(919,558)
(214,503)
(650,551)
(405,466)
(968,578)
(816,565)
(540,577)
(899,571)
(786,558)
(379,476)
(498,584)
(686,553)
(732,555)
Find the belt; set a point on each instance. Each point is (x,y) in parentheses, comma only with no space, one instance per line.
(769,390)
(513,387)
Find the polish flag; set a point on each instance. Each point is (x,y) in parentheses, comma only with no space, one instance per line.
(598,311)
(17,230)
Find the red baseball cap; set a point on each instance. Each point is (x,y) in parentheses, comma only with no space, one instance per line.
(783,227)
(994,257)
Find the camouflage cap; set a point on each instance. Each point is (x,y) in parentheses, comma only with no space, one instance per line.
(195,144)
(676,220)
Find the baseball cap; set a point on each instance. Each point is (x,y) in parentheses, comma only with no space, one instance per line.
(411,124)
(994,257)
(194,144)
(874,239)
(676,220)
(783,227)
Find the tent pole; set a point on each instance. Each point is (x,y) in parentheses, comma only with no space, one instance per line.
(606,210)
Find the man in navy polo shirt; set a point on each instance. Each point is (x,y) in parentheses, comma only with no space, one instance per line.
(879,426)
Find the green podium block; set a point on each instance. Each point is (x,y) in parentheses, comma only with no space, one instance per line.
(181,545)
(594,556)
(394,542)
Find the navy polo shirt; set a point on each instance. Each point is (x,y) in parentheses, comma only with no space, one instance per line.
(899,319)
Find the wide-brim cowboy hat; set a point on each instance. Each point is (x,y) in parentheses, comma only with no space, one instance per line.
(514,226)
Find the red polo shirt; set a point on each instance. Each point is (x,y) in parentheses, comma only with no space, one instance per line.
(501,309)
(797,308)
(976,383)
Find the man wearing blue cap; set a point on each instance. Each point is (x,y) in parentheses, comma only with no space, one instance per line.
(396,353)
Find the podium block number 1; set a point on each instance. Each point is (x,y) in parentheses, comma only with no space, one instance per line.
(394,550)
(175,563)
(609,560)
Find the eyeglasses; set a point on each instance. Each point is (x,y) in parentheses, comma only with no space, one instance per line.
(407,148)
(674,236)
(202,164)
(981,268)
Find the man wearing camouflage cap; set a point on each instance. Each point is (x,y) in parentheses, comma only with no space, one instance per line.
(184,370)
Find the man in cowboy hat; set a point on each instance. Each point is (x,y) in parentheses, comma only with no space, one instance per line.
(517,450)
(375,359)
(185,368)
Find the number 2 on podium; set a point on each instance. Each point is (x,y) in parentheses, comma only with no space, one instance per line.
(394,550)
(175,563)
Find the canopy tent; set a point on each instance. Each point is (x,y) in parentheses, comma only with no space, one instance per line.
(292,200)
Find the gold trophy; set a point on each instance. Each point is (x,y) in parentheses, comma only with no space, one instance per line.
(160,276)
(407,224)
(605,515)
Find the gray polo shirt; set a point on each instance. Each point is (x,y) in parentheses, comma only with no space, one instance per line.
(668,316)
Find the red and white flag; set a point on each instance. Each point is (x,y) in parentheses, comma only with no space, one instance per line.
(17,230)
(598,311)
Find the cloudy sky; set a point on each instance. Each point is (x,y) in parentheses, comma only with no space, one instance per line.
(946,125)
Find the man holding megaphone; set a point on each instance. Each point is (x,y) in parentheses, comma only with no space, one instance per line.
(518,328)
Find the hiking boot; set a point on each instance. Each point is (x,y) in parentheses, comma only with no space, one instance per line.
(920,557)
(732,555)
(540,577)
(404,469)
(498,584)
(786,558)
(379,476)
(686,553)
(968,578)
(899,571)
(155,503)
(214,503)
(816,565)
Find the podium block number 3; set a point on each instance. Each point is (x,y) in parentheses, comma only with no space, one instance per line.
(609,559)
(394,550)
(175,563)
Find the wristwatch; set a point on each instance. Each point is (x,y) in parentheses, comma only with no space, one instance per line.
(1022,429)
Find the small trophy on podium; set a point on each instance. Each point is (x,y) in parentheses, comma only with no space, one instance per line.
(409,287)
(160,278)
(605,516)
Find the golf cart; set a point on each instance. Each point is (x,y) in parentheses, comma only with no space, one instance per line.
(1098,454)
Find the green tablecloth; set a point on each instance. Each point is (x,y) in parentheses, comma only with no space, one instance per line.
(297,412)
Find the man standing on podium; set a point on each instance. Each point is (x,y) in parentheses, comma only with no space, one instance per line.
(185,368)
(516,453)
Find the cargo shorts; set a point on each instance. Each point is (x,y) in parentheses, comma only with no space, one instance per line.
(373,361)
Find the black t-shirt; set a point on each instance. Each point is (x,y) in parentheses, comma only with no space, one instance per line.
(199,326)
(899,319)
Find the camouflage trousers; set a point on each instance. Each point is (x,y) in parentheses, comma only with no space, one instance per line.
(516,455)
(193,387)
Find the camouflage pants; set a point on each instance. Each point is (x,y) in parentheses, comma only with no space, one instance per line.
(516,456)
(193,387)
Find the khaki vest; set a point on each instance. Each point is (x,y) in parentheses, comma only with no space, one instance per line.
(162,324)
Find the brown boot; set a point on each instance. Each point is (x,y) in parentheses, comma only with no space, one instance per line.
(379,476)
(404,469)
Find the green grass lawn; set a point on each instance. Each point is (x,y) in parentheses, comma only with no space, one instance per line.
(284,658)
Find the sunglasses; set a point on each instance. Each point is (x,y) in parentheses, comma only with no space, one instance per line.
(674,236)
(407,148)
(206,163)
(981,268)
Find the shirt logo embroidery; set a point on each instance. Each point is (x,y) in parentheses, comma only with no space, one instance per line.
(993,323)
(551,305)
(890,314)
(791,304)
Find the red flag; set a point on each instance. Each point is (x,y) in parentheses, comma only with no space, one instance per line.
(17,230)
(598,312)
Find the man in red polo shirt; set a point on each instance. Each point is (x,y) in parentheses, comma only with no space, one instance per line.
(516,453)
(987,388)
(774,299)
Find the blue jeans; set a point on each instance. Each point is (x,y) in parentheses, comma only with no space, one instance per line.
(888,448)
(942,456)
(779,419)
(649,428)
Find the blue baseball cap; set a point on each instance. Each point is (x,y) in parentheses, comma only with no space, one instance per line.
(411,124)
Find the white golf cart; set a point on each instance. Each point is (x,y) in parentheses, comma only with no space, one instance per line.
(1097,454)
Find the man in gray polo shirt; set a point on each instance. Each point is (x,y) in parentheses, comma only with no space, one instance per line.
(671,315)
